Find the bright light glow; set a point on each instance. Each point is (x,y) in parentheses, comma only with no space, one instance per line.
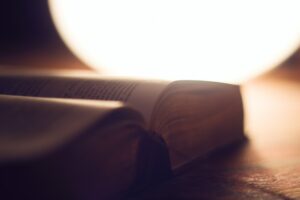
(228,40)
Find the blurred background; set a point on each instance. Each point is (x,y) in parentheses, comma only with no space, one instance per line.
(29,39)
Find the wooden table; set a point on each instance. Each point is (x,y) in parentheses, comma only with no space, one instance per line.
(267,166)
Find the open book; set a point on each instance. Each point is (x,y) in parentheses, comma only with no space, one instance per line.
(193,118)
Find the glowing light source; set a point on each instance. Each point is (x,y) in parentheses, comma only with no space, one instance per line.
(180,39)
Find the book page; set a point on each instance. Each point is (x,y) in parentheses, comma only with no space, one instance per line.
(84,148)
(145,97)
(35,125)
(141,95)
(198,117)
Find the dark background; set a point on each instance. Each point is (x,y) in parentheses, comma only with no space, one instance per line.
(27,25)
(28,38)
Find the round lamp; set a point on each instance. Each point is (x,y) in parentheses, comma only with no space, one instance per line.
(228,41)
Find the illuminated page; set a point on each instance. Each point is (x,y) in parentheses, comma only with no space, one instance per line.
(141,95)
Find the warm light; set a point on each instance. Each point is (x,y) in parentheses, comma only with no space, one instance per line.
(228,40)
